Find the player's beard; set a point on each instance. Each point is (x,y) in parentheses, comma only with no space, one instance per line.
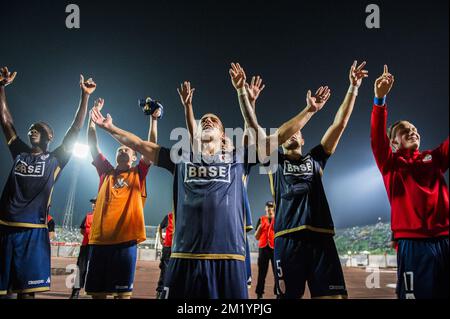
(292,145)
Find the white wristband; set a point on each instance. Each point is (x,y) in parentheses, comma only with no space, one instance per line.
(353,90)
(242,91)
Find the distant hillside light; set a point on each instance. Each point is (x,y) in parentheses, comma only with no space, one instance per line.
(80,150)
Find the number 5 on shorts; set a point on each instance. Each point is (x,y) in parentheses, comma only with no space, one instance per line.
(279,270)
(280,280)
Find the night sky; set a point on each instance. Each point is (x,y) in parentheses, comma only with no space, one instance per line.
(135,49)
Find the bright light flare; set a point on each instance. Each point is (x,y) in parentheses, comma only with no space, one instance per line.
(80,150)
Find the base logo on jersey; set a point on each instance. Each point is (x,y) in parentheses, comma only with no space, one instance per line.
(197,173)
(303,169)
(24,169)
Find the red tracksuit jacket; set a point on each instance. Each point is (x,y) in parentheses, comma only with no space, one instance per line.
(414,182)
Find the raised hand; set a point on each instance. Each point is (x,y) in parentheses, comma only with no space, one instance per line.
(186,93)
(156,114)
(88,87)
(316,102)
(357,74)
(238,76)
(384,83)
(254,89)
(99,103)
(6,78)
(100,120)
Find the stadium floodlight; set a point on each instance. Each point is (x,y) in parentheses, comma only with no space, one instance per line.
(80,150)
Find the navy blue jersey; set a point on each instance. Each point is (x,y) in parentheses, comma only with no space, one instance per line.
(248,212)
(27,193)
(209,205)
(299,195)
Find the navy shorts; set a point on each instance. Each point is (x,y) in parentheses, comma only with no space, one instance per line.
(205,279)
(111,269)
(313,259)
(423,268)
(24,260)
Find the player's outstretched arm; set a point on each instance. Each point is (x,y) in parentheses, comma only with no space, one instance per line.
(442,152)
(256,134)
(379,140)
(186,94)
(152,131)
(253,90)
(6,119)
(148,149)
(314,103)
(267,144)
(153,127)
(92,132)
(332,136)
(87,88)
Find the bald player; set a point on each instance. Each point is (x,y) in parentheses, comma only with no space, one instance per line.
(118,224)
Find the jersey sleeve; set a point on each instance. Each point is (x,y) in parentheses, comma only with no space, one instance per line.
(102,165)
(442,155)
(64,152)
(379,140)
(62,155)
(320,155)
(18,146)
(165,161)
(143,169)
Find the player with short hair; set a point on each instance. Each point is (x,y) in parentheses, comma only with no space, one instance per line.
(304,246)
(118,224)
(24,237)
(418,195)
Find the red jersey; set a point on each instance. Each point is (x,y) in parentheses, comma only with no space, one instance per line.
(414,182)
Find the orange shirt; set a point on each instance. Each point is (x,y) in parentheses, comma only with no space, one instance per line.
(119,210)
(267,232)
